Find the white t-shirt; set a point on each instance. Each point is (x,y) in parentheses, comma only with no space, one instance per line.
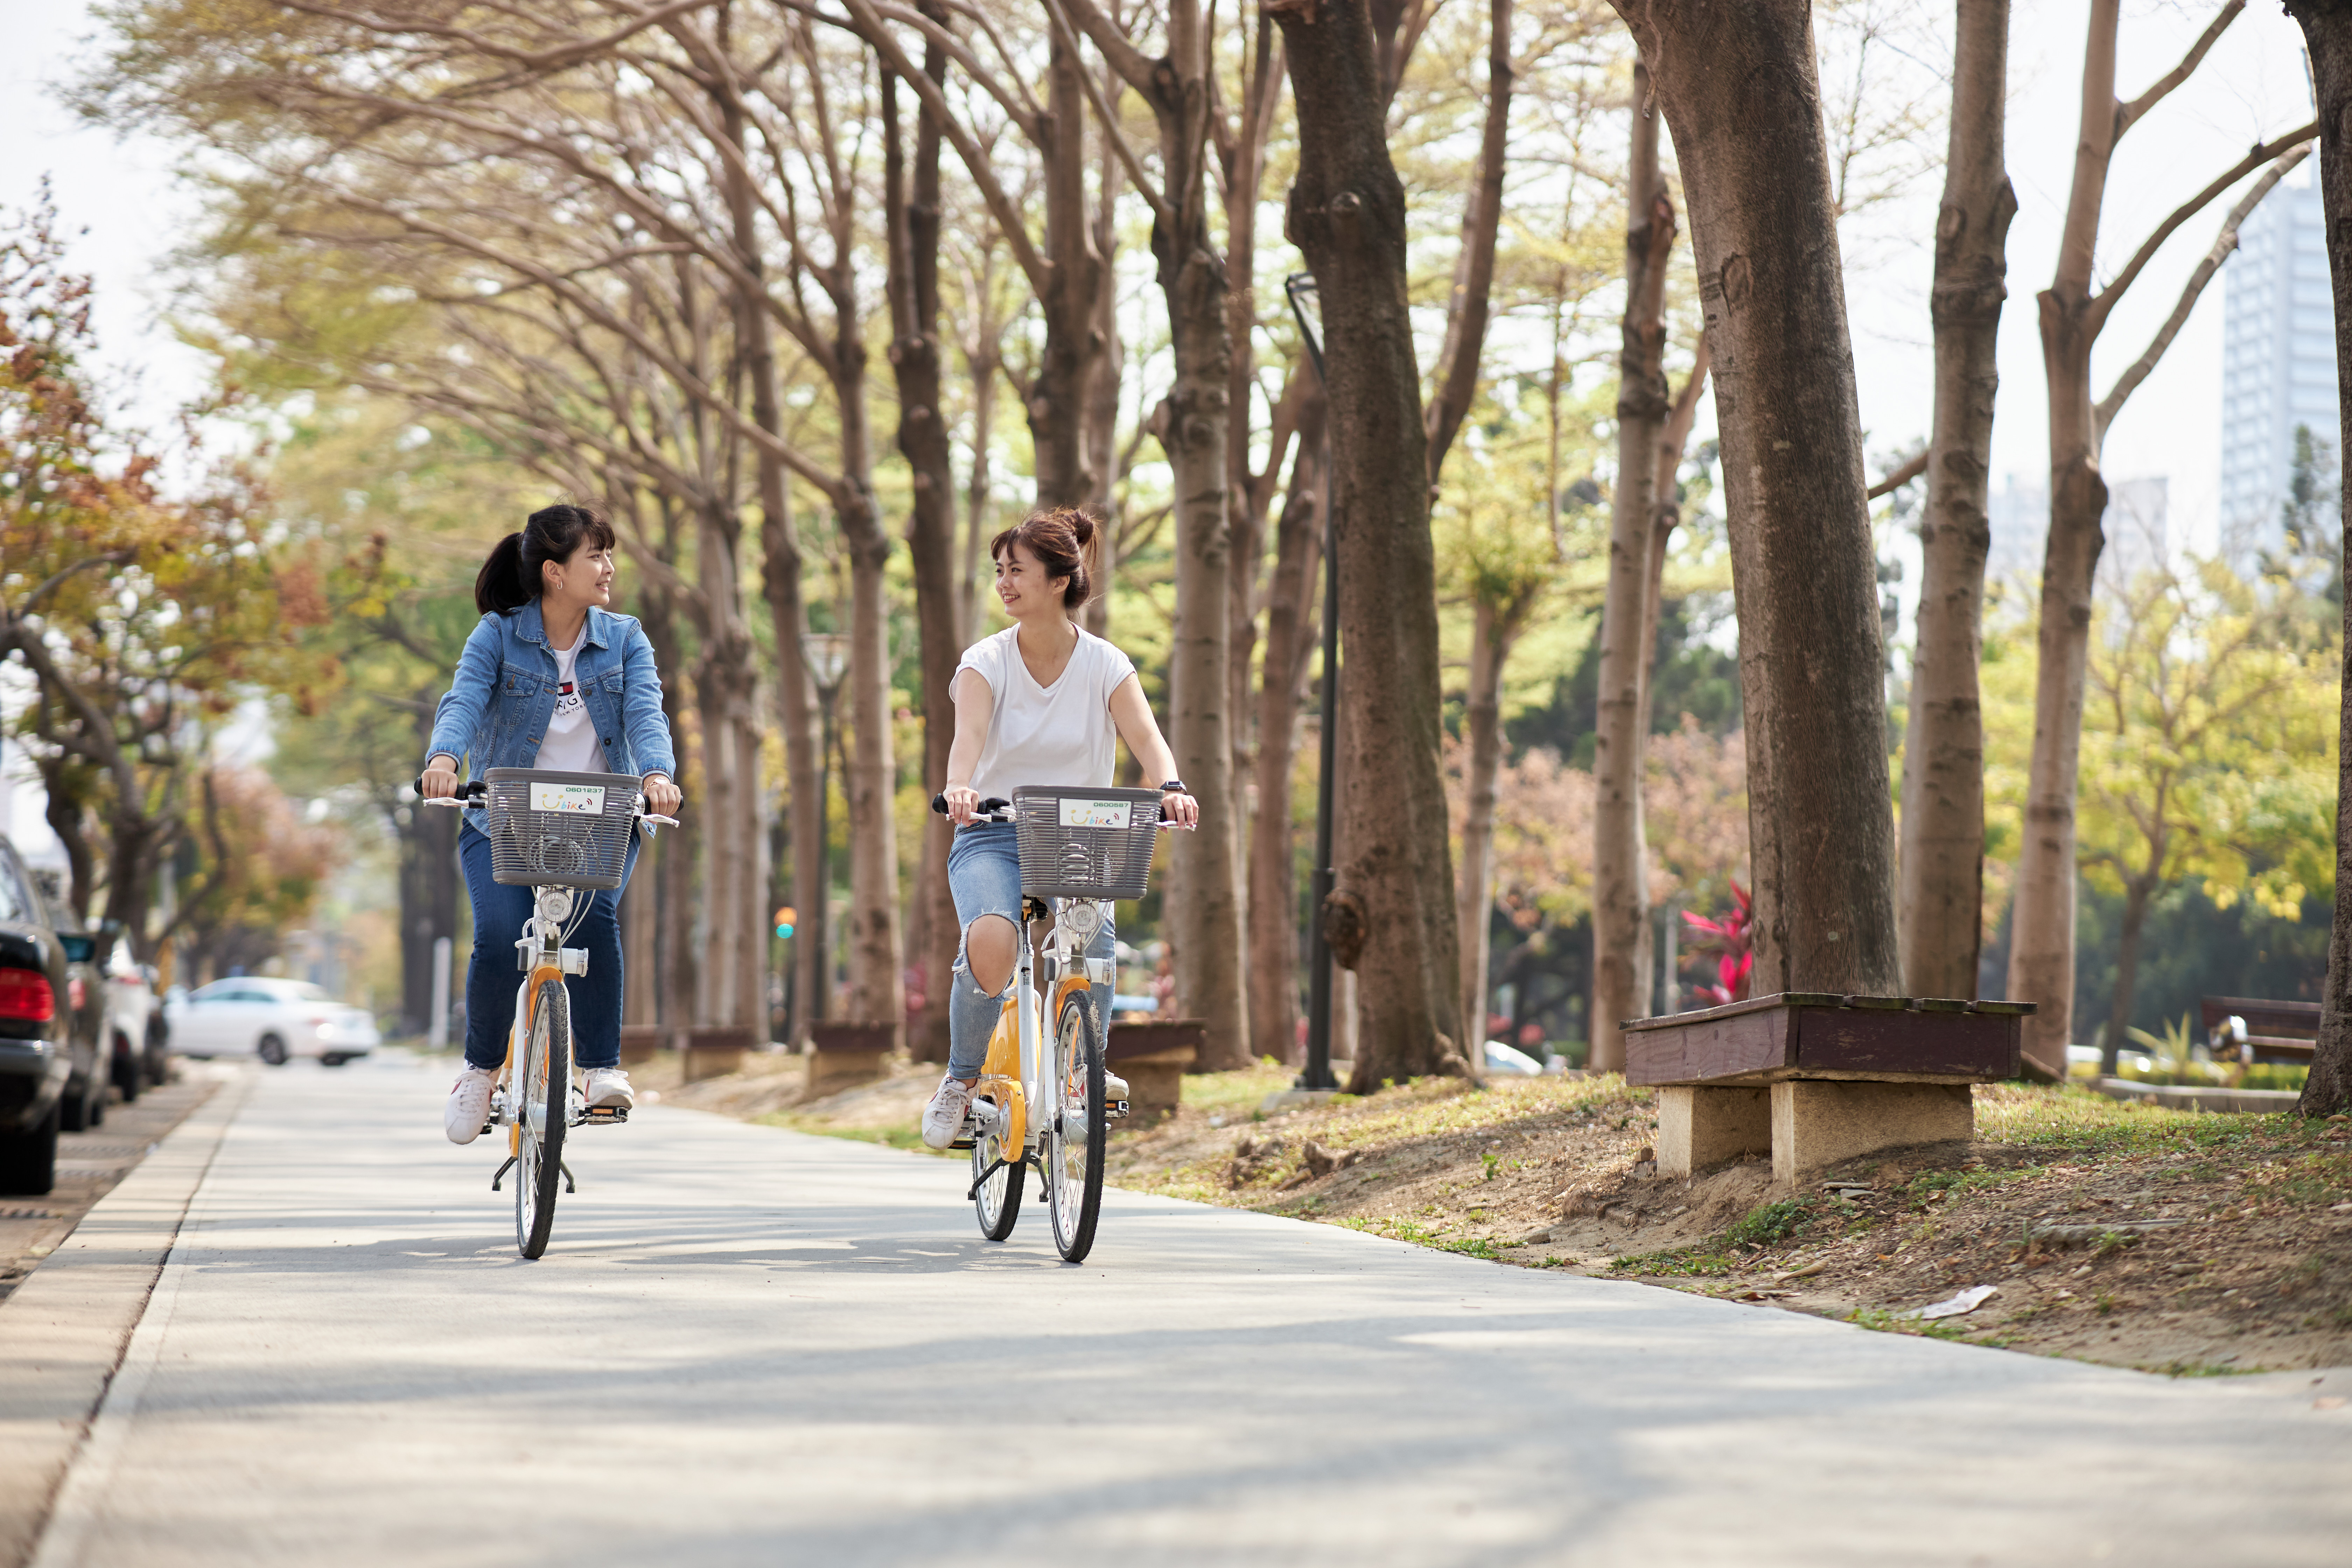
(571,745)
(1057,734)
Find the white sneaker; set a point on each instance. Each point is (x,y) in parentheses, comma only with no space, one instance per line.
(1114,1086)
(468,1110)
(943,1117)
(608,1089)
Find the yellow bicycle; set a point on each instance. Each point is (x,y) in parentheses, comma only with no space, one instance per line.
(1041,1098)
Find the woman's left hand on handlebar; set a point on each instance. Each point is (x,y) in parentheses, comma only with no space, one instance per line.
(1179,810)
(662,796)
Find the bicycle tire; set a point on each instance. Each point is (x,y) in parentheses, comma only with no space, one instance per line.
(1074,1155)
(996,1194)
(542,1090)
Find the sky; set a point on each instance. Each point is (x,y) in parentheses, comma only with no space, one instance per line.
(2250,88)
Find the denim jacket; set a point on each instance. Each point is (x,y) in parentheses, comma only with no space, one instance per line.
(496,712)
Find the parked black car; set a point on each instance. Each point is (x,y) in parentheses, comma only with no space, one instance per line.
(52,1010)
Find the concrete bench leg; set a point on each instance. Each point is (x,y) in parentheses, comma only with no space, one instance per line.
(1818,1122)
(1701,1127)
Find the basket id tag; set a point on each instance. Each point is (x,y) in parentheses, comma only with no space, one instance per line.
(1095,812)
(575,800)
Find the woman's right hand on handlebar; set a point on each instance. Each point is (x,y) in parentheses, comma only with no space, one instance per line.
(440,778)
(963,804)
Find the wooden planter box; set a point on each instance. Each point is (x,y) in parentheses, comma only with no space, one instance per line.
(713,1050)
(1152,1057)
(638,1043)
(1814,1079)
(844,1052)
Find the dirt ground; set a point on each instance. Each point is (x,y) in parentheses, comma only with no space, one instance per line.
(2186,1244)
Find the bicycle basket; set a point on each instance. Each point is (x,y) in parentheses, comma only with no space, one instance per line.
(552,829)
(1085,843)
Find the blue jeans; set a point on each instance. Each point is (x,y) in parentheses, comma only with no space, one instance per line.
(491,978)
(984,878)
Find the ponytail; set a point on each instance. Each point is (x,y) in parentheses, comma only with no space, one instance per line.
(500,588)
(511,577)
(1065,542)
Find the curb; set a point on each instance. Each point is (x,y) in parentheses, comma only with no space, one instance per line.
(2184,1097)
(65,1329)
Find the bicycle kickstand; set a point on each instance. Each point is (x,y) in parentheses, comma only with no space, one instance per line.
(501,1175)
(569,1184)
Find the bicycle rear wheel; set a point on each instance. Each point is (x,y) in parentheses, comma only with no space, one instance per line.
(996,1189)
(1077,1132)
(543,1093)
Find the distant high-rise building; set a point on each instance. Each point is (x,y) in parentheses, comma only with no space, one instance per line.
(2135,523)
(2278,362)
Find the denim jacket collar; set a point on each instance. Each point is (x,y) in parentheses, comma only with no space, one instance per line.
(531,626)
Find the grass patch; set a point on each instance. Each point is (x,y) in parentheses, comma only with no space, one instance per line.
(1879,1321)
(2206,1369)
(889,1137)
(1771,1223)
(1237,1093)
(1422,1235)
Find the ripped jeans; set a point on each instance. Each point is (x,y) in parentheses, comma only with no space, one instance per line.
(984,878)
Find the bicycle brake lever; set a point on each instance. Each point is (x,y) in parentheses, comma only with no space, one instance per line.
(661,821)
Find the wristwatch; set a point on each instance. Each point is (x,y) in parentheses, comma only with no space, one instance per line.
(1174,786)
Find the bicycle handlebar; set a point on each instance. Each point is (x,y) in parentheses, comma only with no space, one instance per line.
(996,808)
(474,792)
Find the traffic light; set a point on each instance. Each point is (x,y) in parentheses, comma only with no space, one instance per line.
(785,918)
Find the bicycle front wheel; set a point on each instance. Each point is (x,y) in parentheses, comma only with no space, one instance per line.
(1078,1131)
(542,1091)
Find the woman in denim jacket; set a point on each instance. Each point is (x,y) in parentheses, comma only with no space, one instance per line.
(551,679)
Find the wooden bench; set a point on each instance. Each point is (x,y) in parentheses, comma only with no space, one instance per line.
(638,1043)
(1152,1058)
(713,1050)
(2262,1031)
(843,1052)
(1812,1078)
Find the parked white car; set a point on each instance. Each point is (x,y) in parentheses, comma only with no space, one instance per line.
(276,1020)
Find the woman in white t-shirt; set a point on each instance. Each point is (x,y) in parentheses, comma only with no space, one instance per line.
(1041,703)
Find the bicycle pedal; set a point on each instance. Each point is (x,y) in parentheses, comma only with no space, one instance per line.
(606,1114)
(965,1143)
(1114,1110)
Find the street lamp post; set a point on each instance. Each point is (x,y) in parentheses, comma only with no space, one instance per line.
(1300,286)
(827,656)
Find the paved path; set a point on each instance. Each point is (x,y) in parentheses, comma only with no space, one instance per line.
(751,1347)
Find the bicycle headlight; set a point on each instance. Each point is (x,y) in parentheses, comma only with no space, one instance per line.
(1085,919)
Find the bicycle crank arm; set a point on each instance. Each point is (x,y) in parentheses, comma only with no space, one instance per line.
(502,1173)
(1016,1166)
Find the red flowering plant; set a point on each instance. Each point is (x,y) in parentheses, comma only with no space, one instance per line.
(1730,940)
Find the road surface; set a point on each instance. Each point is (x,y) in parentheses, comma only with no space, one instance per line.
(751,1346)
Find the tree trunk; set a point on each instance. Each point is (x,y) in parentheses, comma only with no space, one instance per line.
(1102,397)
(915,358)
(2041,949)
(796,716)
(1496,626)
(1057,399)
(1942,900)
(1347,214)
(1755,173)
(676,958)
(2328,31)
(1474,263)
(1621,891)
(2136,895)
(1193,427)
(1290,628)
